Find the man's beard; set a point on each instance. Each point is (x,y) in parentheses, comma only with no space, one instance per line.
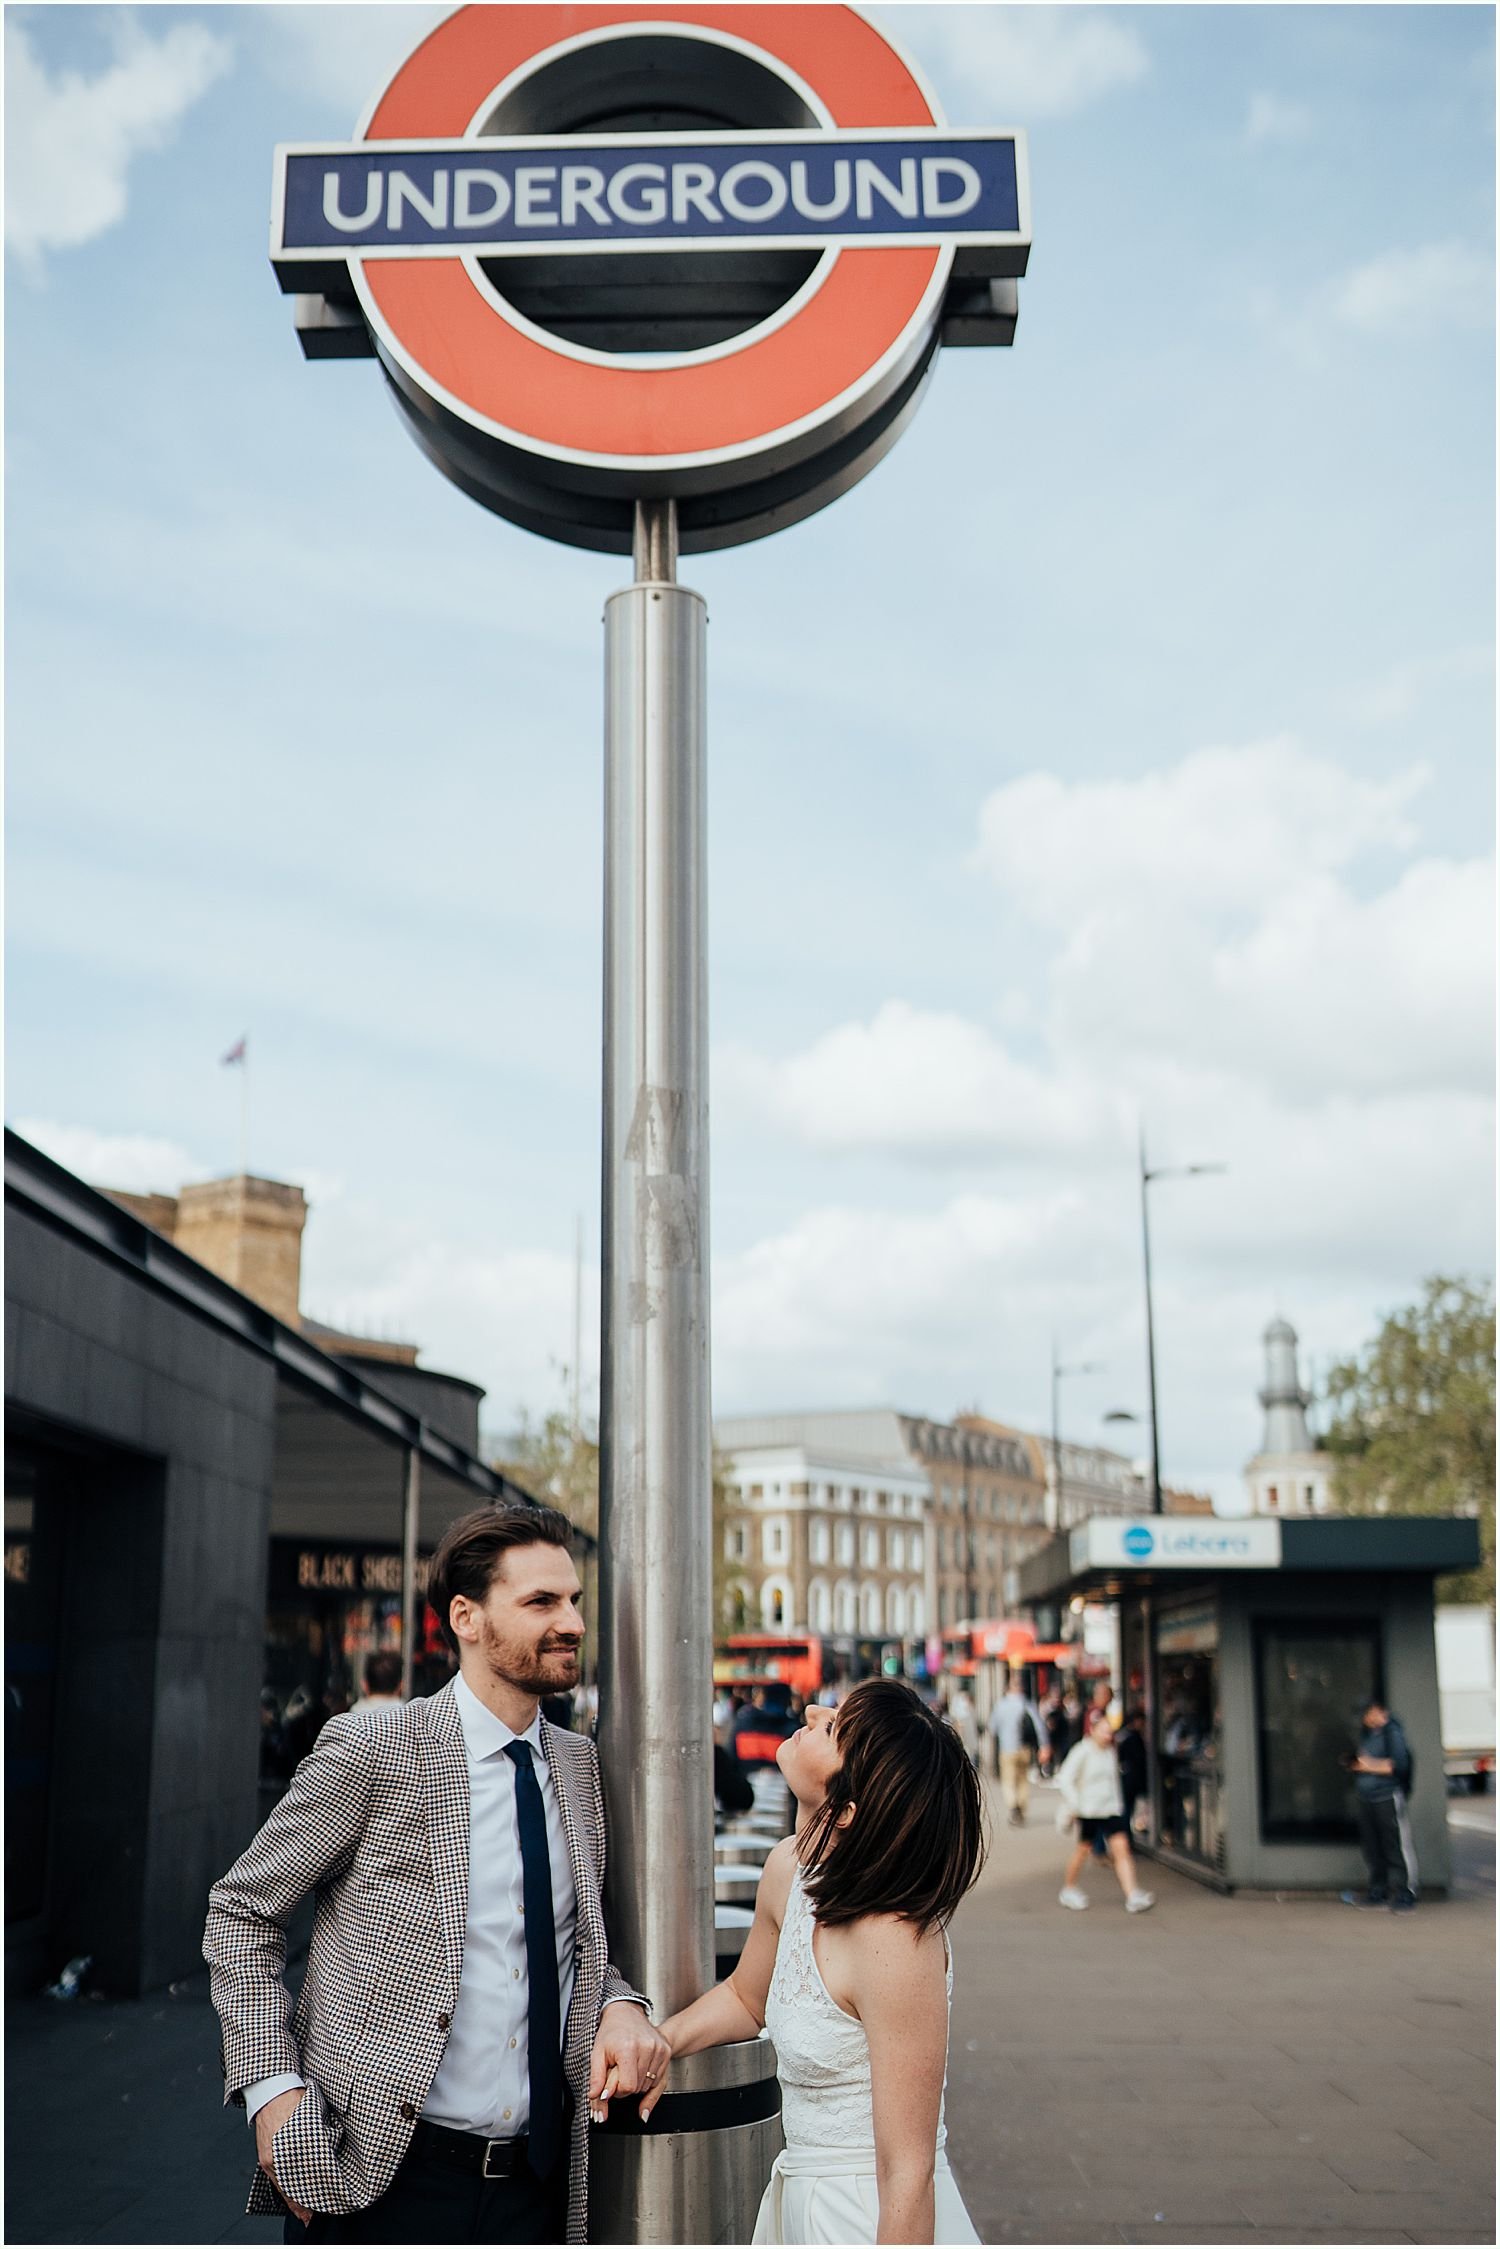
(550,1669)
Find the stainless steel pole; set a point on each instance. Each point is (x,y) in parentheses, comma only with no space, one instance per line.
(697,2171)
(411,1519)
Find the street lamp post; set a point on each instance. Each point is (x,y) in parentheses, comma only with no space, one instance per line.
(1059,1375)
(1164,1171)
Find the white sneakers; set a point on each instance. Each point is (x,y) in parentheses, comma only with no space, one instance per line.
(1139,1901)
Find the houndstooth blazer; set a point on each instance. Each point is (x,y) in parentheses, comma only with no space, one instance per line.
(376,1820)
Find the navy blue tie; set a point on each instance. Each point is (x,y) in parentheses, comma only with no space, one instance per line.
(543,2010)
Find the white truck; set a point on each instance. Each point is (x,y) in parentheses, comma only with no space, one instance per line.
(1466,1692)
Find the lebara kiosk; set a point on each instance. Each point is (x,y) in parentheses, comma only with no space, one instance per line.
(650,280)
(1253,1645)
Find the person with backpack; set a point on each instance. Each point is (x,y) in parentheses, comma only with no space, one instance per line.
(1016,1729)
(1383,1770)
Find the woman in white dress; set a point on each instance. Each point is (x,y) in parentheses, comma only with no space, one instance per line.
(848,1967)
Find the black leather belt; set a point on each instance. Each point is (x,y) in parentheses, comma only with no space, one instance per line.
(469,2151)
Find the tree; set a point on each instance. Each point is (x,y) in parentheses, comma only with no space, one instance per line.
(1413,1420)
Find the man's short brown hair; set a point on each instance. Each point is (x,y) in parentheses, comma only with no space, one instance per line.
(473,1548)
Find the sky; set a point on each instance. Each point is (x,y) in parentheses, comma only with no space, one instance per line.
(1118,754)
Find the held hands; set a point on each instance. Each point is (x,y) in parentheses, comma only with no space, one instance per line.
(630,2056)
(268,2121)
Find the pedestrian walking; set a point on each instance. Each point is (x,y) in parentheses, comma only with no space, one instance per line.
(964,1719)
(1059,1733)
(1093,1802)
(1382,1772)
(1130,1748)
(1016,1728)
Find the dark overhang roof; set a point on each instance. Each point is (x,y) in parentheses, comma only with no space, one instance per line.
(37,1185)
(1414,1545)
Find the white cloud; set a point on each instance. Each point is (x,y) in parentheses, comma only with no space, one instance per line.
(1016,64)
(1272,119)
(1330,1216)
(71,139)
(341,55)
(136,1161)
(916,1083)
(1222,830)
(1442,284)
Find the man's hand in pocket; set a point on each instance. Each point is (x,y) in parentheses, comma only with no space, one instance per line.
(268,2122)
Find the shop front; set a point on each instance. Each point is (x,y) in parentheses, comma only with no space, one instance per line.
(1252,1646)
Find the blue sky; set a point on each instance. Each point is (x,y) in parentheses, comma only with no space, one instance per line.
(1122,745)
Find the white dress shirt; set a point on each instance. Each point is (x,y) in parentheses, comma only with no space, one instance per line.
(483,2082)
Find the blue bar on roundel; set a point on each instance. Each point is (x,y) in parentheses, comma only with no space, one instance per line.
(495,196)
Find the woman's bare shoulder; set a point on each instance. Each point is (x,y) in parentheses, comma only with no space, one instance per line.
(776,1878)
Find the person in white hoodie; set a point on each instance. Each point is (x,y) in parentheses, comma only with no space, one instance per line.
(1092,1801)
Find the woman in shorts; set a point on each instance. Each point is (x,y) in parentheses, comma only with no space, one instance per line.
(1093,1802)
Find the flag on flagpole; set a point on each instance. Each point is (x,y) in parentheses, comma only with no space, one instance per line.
(236,1053)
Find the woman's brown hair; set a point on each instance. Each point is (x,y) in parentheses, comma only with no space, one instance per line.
(915,1841)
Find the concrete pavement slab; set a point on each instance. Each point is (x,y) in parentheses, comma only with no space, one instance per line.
(1253,2060)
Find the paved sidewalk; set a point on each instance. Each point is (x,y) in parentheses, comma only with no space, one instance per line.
(1223,2069)
(1252,2068)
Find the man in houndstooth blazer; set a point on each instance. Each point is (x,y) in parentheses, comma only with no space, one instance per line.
(405,1822)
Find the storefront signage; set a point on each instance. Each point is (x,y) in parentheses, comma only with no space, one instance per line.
(1161,1543)
(575,318)
(335,1569)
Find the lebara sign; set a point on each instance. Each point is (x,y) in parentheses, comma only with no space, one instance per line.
(1165,1542)
(705,254)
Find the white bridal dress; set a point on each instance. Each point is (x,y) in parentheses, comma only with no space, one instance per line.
(823,2182)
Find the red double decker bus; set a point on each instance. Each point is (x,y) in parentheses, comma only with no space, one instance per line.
(759,1659)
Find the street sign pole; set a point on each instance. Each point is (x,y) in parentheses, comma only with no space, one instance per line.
(695,2174)
(479,237)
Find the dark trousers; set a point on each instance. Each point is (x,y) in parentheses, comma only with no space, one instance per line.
(428,2201)
(1385,1840)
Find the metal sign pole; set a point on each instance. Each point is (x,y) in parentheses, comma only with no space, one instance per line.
(697,2170)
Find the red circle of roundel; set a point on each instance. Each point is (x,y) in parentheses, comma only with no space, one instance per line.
(456,338)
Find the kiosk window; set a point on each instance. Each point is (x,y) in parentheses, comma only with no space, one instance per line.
(1312,1679)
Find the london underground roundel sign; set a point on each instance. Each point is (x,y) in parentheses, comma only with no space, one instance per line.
(610,254)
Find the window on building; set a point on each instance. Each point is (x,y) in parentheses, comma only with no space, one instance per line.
(757,1491)
(819,1607)
(1270,1495)
(819,1540)
(773,1539)
(895,1549)
(1310,1494)
(843,1606)
(870,1548)
(895,1611)
(917,1611)
(869,1610)
(845,1543)
(735,1542)
(916,1550)
(775,1606)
